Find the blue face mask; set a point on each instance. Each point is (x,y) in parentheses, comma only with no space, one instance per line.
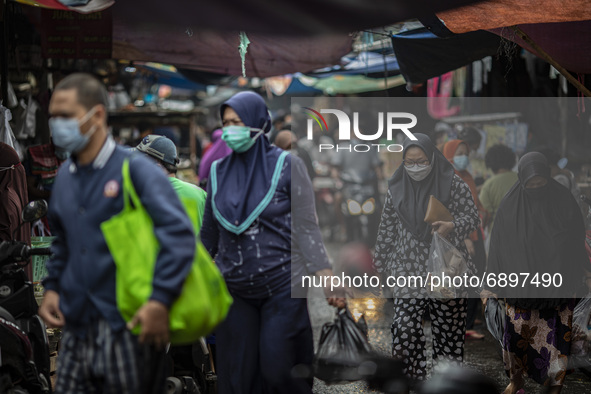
(65,132)
(238,137)
(461,162)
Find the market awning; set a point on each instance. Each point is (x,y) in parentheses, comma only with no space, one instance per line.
(286,36)
(366,63)
(218,51)
(423,55)
(561,28)
(351,84)
(293,17)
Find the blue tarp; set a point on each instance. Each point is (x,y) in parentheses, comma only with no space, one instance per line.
(422,55)
(173,78)
(365,63)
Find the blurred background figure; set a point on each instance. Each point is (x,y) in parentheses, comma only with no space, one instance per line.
(13,195)
(500,159)
(216,150)
(287,140)
(457,151)
(561,174)
(470,136)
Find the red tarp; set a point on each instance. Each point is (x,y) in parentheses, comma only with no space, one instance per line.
(561,28)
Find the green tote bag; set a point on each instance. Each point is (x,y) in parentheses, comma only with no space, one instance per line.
(204,300)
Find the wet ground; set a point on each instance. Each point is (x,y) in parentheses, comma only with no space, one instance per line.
(481,355)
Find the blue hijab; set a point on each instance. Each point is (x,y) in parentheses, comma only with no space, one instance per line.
(243,184)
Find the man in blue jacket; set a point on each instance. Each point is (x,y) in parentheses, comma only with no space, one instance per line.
(99,353)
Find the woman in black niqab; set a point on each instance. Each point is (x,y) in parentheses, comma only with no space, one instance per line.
(538,230)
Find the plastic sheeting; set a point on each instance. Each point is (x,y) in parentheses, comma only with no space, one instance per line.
(217,52)
(500,13)
(422,55)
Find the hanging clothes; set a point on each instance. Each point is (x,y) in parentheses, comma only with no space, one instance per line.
(439,92)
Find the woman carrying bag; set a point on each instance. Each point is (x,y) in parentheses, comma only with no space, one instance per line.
(538,229)
(402,249)
(247,227)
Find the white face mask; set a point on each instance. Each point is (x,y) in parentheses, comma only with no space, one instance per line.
(419,173)
(65,132)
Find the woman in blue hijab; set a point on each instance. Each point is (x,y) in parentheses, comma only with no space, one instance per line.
(259,246)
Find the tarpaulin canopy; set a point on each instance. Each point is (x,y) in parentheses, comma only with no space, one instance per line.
(364,63)
(286,35)
(568,43)
(352,84)
(218,51)
(560,28)
(499,13)
(169,75)
(280,16)
(83,6)
(423,55)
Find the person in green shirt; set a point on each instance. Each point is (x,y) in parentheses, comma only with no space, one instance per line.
(164,152)
(500,159)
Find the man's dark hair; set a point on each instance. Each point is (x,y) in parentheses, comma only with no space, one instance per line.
(499,157)
(89,90)
(169,167)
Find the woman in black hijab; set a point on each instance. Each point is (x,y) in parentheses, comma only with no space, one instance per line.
(402,250)
(538,230)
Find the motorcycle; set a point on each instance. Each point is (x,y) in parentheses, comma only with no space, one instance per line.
(192,369)
(24,346)
(324,195)
(360,209)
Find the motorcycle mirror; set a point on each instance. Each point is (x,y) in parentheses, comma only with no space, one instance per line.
(34,210)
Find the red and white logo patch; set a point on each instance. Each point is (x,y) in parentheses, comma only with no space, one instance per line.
(111,189)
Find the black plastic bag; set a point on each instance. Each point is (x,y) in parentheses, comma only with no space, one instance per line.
(342,347)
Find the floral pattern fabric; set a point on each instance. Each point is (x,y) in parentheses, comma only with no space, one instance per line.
(537,343)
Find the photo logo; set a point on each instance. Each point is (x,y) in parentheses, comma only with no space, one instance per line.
(317,117)
(391,120)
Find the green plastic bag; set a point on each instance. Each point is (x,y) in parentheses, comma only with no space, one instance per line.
(204,301)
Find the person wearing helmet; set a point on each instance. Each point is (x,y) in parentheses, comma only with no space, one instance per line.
(164,152)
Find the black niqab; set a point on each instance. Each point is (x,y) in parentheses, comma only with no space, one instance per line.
(538,231)
(411,198)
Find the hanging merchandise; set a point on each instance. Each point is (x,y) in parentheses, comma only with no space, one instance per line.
(516,137)
(439,91)
(25,122)
(487,67)
(6,134)
(12,100)
(242,49)
(44,163)
(476,77)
